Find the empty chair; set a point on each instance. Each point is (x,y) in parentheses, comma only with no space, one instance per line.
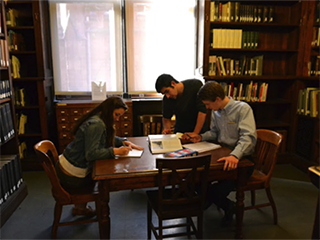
(150,124)
(48,156)
(182,184)
(265,157)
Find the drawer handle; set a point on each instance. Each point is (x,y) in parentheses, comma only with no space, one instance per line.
(125,125)
(63,112)
(64,136)
(125,117)
(63,120)
(75,111)
(64,127)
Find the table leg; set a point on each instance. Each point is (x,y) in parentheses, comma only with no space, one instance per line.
(103,210)
(242,178)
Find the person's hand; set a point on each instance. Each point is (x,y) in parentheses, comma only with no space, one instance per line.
(231,162)
(132,145)
(166,131)
(122,150)
(191,136)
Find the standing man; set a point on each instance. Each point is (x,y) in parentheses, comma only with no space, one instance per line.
(232,126)
(180,98)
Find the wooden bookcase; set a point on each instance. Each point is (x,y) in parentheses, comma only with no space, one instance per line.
(306,128)
(28,30)
(278,42)
(9,145)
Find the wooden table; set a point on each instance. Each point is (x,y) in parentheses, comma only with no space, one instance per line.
(133,173)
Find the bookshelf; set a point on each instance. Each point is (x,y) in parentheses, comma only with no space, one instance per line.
(306,124)
(274,39)
(13,189)
(30,54)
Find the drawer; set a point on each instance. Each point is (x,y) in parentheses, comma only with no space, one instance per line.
(63,119)
(76,112)
(124,132)
(125,125)
(73,119)
(63,112)
(65,135)
(126,117)
(64,128)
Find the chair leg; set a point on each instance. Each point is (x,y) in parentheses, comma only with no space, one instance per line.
(188,226)
(200,228)
(273,205)
(57,216)
(253,197)
(160,231)
(149,219)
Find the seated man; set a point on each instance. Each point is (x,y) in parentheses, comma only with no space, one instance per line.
(232,126)
(180,98)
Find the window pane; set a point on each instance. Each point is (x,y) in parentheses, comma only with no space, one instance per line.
(160,39)
(86,43)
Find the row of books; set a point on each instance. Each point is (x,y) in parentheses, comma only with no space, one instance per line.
(15,67)
(308,102)
(314,66)
(251,66)
(21,123)
(10,176)
(23,153)
(7,126)
(249,92)
(15,41)
(4,57)
(5,89)
(231,11)
(20,97)
(234,38)
(12,17)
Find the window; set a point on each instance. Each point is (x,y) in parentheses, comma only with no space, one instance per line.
(87,43)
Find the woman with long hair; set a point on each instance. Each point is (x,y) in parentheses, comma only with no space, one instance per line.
(94,139)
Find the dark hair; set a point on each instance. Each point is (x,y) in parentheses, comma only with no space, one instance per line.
(105,109)
(164,80)
(210,91)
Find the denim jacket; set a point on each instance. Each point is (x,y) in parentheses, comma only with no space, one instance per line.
(89,144)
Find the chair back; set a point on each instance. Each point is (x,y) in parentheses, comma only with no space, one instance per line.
(47,154)
(266,151)
(186,180)
(150,124)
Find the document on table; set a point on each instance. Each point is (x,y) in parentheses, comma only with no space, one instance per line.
(202,146)
(133,153)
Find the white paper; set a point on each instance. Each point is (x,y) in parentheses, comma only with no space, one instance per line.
(99,90)
(202,146)
(133,153)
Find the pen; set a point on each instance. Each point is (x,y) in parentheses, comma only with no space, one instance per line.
(188,135)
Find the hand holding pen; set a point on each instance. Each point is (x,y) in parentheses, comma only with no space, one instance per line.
(191,136)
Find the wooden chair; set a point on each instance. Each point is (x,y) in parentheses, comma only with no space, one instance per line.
(265,157)
(150,124)
(183,197)
(48,156)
